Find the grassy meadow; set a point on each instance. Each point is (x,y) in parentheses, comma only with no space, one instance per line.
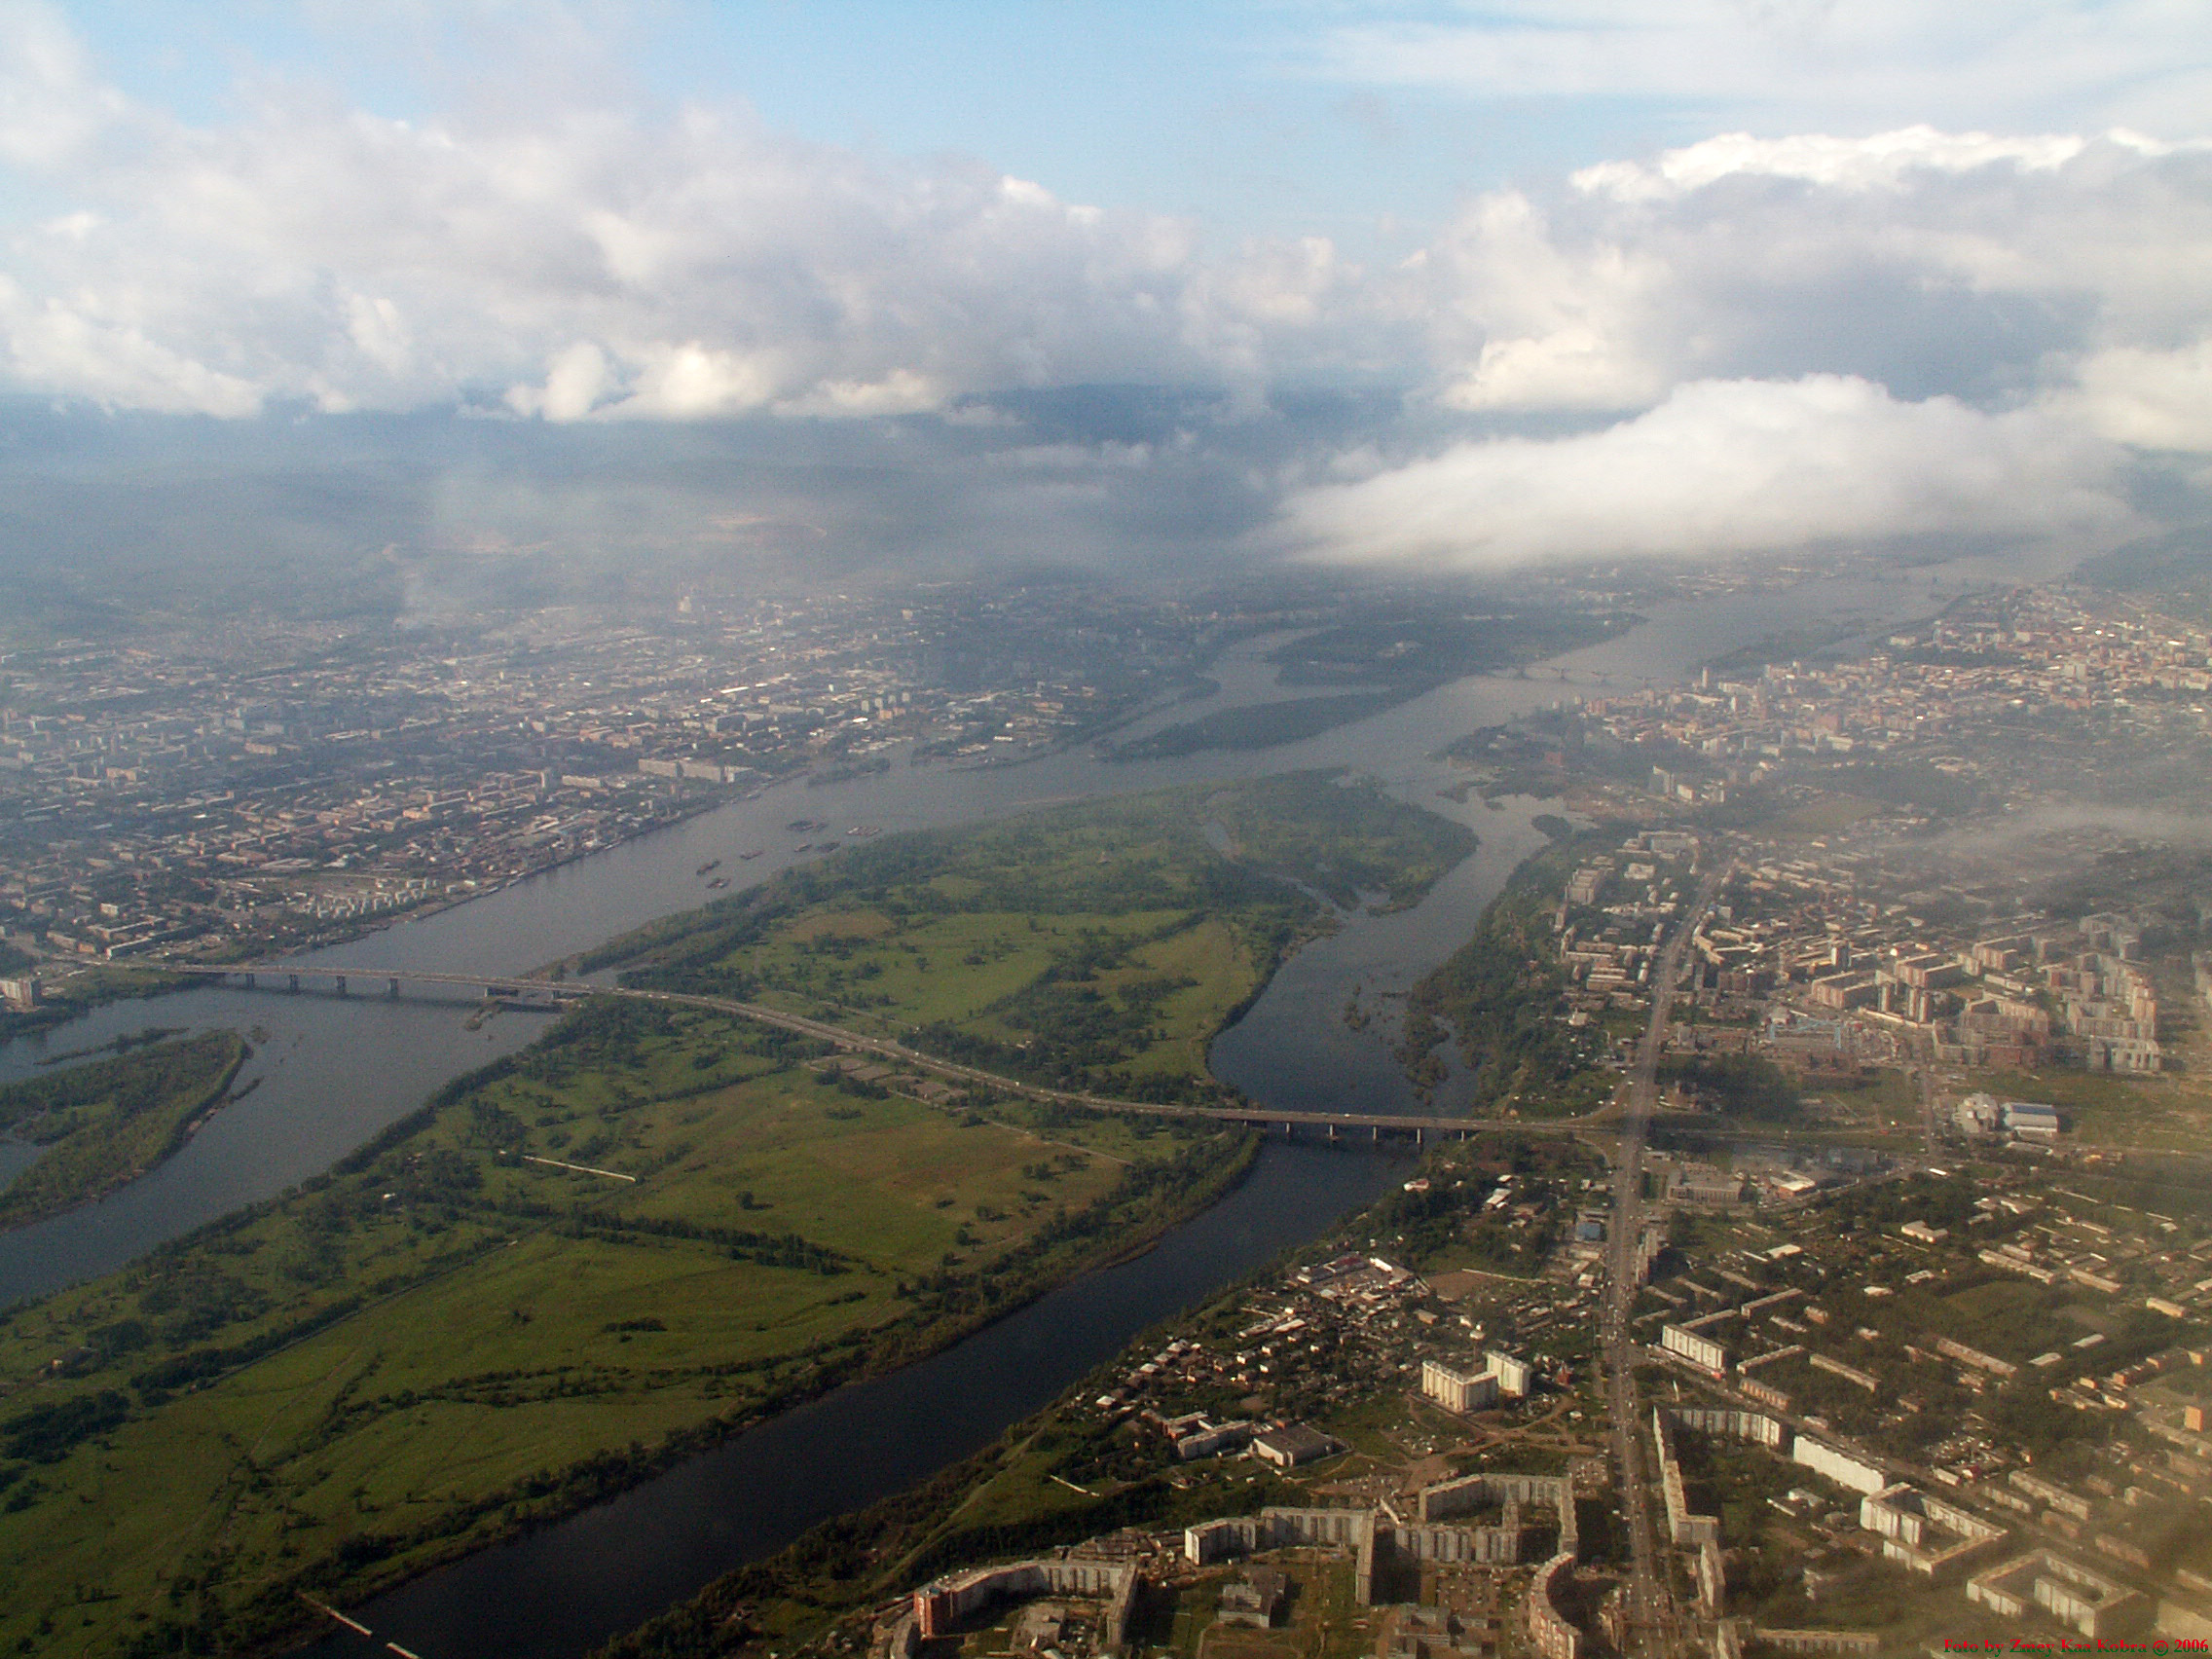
(1098,945)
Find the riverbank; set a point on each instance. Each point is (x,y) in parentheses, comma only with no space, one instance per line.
(569,1587)
(90,984)
(1499,1000)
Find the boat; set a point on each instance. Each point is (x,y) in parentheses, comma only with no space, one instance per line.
(806,826)
(720,881)
(753,854)
(711,863)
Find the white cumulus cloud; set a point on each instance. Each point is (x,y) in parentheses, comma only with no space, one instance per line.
(1730,467)
(2152,401)
(1806,341)
(1926,261)
(574,262)
(1773,341)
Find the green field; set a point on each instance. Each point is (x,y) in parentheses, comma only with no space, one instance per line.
(108,1121)
(441,1341)
(1099,945)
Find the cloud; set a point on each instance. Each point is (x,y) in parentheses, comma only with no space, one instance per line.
(1804,341)
(1930,262)
(2147,63)
(2152,401)
(1755,340)
(573,262)
(1886,159)
(1730,467)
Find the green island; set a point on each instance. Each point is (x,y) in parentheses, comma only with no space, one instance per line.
(108,1121)
(658,1225)
(1501,993)
(1095,946)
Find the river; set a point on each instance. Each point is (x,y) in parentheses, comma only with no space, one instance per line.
(570,1586)
(332,1072)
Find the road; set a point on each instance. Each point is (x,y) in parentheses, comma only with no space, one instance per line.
(277,977)
(1653,1623)
(550,992)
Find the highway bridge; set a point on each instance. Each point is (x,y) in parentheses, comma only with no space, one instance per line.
(530,991)
(298,977)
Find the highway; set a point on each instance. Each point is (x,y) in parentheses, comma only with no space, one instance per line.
(1653,1623)
(548,992)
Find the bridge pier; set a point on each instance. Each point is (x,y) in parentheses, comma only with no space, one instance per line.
(1375,1133)
(391,987)
(249,981)
(341,984)
(1331,1131)
(295,978)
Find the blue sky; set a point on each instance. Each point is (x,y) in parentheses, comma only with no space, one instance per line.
(1367,122)
(1599,275)
(1220,111)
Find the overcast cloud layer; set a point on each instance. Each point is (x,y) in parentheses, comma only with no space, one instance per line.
(1740,344)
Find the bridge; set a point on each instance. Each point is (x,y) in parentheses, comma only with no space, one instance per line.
(533,991)
(296,976)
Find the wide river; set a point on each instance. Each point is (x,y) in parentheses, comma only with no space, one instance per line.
(331,1073)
